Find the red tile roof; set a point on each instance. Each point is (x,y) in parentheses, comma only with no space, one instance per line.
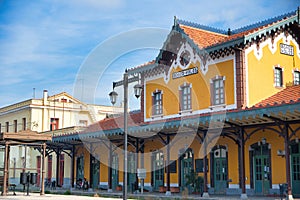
(134,119)
(201,37)
(287,95)
(142,65)
(207,36)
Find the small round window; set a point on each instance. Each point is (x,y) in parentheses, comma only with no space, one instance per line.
(185,58)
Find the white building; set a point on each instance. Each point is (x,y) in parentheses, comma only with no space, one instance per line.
(58,113)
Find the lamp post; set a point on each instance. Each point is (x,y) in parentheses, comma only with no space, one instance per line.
(113,98)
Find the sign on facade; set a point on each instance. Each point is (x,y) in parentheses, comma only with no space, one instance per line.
(186,72)
(286,49)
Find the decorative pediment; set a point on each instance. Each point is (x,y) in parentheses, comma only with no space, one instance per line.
(64,98)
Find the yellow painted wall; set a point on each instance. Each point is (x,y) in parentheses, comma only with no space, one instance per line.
(272,138)
(261,71)
(277,162)
(200,88)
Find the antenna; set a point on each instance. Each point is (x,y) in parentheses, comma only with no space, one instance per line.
(33,93)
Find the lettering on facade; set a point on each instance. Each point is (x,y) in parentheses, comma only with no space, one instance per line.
(286,49)
(186,72)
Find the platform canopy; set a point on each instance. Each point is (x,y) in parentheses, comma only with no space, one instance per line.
(26,137)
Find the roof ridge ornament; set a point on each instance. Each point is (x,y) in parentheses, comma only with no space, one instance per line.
(175,21)
(298,12)
(201,26)
(265,22)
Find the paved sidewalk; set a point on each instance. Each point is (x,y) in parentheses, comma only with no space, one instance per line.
(36,196)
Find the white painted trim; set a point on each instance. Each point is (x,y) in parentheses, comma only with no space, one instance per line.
(207,110)
(275,186)
(273,48)
(15,110)
(146,184)
(234,186)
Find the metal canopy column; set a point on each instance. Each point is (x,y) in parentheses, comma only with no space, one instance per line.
(205,189)
(43,170)
(110,168)
(6,165)
(242,163)
(287,160)
(57,165)
(137,162)
(73,166)
(168,192)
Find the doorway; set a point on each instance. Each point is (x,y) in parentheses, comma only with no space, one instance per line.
(186,168)
(295,165)
(157,170)
(115,171)
(220,169)
(261,167)
(131,176)
(95,172)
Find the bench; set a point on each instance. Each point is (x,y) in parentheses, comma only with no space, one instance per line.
(11,187)
(2,183)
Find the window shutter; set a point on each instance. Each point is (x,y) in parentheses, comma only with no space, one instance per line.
(224,93)
(180,99)
(162,103)
(153,105)
(212,93)
(281,77)
(191,95)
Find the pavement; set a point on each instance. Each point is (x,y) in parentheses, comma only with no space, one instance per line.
(116,196)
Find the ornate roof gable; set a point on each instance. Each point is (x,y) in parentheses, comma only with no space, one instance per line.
(207,41)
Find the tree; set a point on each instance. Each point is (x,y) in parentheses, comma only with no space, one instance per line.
(195,181)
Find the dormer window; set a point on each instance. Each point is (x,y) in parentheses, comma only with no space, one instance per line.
(63,100)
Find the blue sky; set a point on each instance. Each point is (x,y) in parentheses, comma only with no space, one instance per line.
(45,44)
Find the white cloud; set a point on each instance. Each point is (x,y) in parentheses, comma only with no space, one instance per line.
(45,42)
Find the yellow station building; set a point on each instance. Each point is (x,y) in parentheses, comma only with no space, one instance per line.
(224,104)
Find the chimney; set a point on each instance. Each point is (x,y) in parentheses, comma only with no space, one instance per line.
(45,96)
(229,31)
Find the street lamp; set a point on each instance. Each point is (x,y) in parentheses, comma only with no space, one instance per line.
(138,90)
(113,97)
